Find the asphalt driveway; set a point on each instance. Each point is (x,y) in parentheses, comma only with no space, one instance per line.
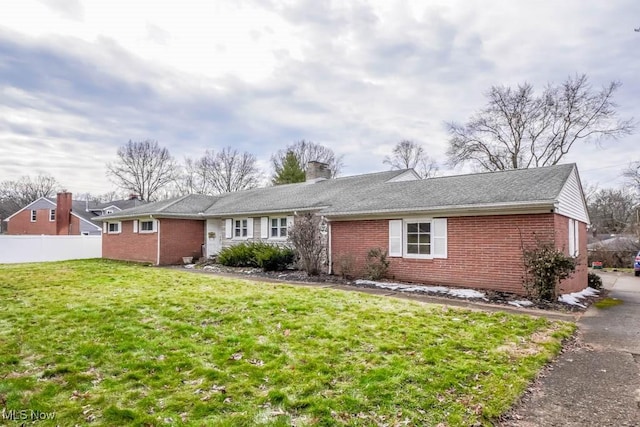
(597,381)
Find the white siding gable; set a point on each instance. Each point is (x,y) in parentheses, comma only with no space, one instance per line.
(409,175)
(571,201)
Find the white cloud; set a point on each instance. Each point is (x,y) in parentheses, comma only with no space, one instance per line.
(356,76)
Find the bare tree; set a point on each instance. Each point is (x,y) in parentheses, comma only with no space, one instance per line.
(306,237)
(227,171)
(306,151)
(193,178)
(612,210)
(632,175)
(410,155)
(143,168)
(518,129)
(28,189)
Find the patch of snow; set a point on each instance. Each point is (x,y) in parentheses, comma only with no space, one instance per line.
(189,266)
(575,297)
(466,293)
(459,293)
(521,303)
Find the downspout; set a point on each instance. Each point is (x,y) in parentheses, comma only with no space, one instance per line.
(158,237)
(329,248)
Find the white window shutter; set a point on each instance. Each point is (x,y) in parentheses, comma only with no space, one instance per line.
(576,237)
(135,225)
(155,225)
(289,221)
(395,237)
(439,237)
(572,238)
(105,227)
(249,228)
(264,227)
(228,228)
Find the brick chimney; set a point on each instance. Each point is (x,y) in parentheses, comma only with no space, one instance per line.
(317,170)
(63,213)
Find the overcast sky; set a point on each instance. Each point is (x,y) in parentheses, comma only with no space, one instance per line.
(79,78)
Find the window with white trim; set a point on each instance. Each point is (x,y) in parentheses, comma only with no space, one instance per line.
(279,227)
(418,238)
(34,215)
(52,214)
(240,228)
(113,227)
(147,226)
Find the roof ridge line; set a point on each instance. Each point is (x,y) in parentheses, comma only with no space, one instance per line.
(179,199)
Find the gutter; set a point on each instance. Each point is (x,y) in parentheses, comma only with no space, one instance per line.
(461,209)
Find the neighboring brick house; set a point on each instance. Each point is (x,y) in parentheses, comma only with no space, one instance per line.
(63,216)
(466,230)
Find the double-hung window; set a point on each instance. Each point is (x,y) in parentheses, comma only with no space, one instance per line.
(418,238)
(147,226)
(240,228)
(52,214)
(34,215)
(279,227)
(113,227)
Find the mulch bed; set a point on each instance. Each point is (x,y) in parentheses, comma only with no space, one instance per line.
(493,297)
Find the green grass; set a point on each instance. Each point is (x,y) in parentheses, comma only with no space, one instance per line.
(107,343)
(608,302)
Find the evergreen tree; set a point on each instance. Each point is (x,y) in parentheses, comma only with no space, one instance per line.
(290,172)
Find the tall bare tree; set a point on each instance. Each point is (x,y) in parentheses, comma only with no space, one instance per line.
(410,155)
(193,178)
(227,171)
(632,175)
(612,210)
(306,151)
(519,129)
(143,168)
(28,189)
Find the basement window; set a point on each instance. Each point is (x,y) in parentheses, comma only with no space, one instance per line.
(52,214)
(34,215)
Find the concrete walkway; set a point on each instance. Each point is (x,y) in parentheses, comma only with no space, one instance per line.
(597,381)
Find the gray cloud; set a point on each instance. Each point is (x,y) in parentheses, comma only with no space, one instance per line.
(361,81)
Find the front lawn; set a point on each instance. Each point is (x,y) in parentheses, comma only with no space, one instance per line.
(105,343)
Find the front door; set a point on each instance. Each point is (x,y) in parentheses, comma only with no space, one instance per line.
(213,237)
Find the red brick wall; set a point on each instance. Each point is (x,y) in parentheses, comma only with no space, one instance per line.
(578,280)
(483,252)
(180,238)
(130,246)
(21,224)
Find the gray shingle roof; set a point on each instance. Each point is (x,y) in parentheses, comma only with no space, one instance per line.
(373,193)
(184,206)
(482,189)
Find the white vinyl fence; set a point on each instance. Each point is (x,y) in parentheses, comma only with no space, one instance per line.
(15,249)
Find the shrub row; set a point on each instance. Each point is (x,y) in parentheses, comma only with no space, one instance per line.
(257,254)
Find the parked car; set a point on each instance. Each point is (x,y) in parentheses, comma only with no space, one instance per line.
(636,265)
